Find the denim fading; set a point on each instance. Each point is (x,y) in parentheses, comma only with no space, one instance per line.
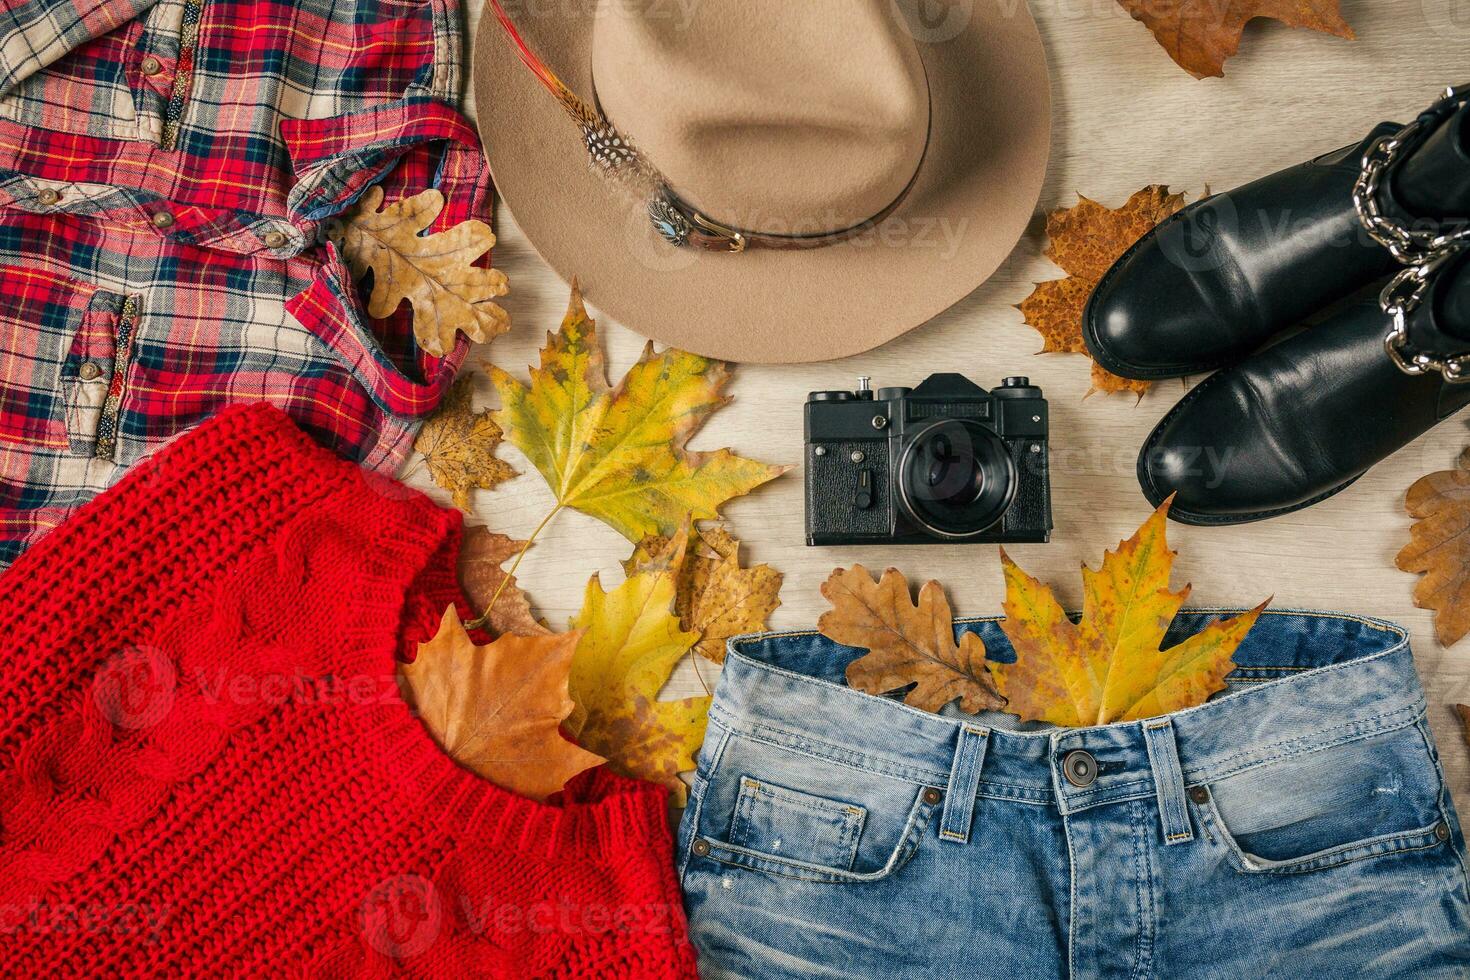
(1297,825)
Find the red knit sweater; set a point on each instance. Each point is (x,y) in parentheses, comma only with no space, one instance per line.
(206,768)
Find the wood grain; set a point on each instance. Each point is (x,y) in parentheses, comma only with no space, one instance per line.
(1125,116)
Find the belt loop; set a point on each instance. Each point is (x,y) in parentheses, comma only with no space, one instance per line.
(964,784)
(1163,756)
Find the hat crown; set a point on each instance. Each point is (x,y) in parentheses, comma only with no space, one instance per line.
(774,116)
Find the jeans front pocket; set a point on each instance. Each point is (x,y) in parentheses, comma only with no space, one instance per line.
(780,821)
(781,811)
(1366,798)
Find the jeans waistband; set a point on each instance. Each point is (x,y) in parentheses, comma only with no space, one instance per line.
(1303,681)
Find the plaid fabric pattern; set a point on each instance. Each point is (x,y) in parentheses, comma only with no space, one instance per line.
(166,171)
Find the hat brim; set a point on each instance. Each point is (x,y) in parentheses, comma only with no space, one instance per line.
(977,188)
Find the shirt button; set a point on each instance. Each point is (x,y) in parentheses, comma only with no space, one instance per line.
(49,196)
(162,219)
(274,239)
(151,65)
(1080,768)
(89,371)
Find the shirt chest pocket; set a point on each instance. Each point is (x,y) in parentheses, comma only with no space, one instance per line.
(131,83)
(64,351)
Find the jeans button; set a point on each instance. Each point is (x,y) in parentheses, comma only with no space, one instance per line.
(932,796)
(1079,767)
(1442,831)
(700,848)
(1199,795)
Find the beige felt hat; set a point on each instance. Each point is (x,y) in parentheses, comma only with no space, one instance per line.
(832,173)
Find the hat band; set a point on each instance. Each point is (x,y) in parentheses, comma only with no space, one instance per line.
(614,155)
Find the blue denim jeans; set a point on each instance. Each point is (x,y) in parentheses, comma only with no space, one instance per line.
(1297,825)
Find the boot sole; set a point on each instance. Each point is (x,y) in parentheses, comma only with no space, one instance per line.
(1152,495)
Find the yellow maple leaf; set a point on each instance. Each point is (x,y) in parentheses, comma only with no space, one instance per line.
(435,273)
(631,642)
(716,596)
(1085,240)
(618,453)
(1108,666)
(458,445)
(498,709)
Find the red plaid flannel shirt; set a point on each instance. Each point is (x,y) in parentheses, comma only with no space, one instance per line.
(166,167)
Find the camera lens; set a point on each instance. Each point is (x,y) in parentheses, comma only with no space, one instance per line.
(956,478)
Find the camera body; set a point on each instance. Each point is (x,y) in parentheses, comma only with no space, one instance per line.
(944,463)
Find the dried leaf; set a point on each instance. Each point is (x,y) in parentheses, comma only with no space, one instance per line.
(1200,35)
(435,273)
(618,453)
(498,709)
(458,445)
(1463,711)
(906,643)
(1439,547)
(1085,240)
(481,553)
(1108,666)
(715,596)
(631,642)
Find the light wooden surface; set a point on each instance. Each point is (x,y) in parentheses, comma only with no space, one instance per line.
(1125,116)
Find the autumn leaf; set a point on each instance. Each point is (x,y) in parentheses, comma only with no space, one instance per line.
(618,453)
(907,643)
(1439,547)
(498,709)
(481,554)
(631,642)
(714,596)
(458,445)
(1108,666)
(1085,240)
(435,273)
(1200,35)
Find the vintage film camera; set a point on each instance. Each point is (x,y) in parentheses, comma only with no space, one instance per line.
(943,463)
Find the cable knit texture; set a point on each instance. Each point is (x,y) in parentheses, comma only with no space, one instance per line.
(206,767)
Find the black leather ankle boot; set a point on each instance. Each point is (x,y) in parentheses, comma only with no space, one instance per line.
(1224,275)
(1300,421)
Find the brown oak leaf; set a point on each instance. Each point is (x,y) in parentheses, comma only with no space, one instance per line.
(1200,35)
(435,273)
(498,709)
(1085,240)
(1439,547)
(459,443)
(481,553)
(907,643)
(716,597)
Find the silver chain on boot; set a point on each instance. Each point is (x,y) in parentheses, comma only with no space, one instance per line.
(1423,253)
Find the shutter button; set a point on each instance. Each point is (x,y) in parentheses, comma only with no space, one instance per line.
(151,66)
(89,371)
(49,196)
(1080,768)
